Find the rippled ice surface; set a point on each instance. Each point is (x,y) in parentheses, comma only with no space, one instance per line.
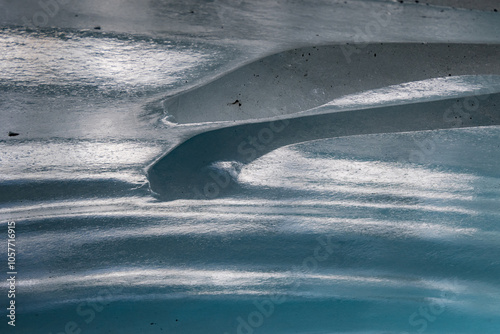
(387,233)
(340,239)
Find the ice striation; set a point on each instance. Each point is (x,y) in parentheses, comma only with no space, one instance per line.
(251,167)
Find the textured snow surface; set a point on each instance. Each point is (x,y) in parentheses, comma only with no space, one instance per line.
(387,222)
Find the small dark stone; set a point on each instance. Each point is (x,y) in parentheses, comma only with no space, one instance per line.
(13,134)
(495,10)
(374,54)
(192,12)
(176,319)
(235,102)
(97,27)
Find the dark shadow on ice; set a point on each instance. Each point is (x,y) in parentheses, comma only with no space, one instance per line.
(205,165)
(29,190)
(308,79)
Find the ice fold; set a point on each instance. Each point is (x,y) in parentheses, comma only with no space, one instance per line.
(316,93)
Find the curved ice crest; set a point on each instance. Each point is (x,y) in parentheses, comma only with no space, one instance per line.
(411,90)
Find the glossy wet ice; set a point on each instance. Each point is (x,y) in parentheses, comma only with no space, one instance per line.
(379,233)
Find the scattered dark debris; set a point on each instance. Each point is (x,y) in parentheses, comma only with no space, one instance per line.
(235,102)
(153,323)
(13,134)
(97,27)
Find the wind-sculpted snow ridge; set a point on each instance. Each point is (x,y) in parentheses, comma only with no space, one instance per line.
(310,80)
(301,79)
